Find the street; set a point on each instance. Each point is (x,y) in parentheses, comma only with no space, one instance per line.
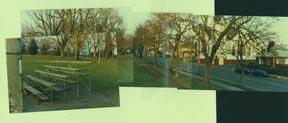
(225,75)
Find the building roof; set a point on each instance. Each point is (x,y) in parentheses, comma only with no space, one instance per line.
(281,53)
(232,57)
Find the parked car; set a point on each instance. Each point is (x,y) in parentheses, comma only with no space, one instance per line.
(260,73)
(246,70)
(237,70)
(253,72)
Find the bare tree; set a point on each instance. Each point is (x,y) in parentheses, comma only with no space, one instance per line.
(82,30)
(152,36)
(214,31)
(208,32)
(51,22)
(97,30)
(123,41)
(178,25)
(157,31)
(254,34)
(69,17)
(44,22)
(74,25)
(111,23)
(143,38)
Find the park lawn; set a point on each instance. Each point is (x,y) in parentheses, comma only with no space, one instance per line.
(149,76)
(106,70)
(125,69)
(144,78)
(103,75)
(122,72)
(131,74)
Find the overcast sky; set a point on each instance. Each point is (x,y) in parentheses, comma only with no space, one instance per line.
(132,19)
(281,27)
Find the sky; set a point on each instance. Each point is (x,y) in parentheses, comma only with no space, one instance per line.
(281,28)
(133,18)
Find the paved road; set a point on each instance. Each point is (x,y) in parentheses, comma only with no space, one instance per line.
(225,75)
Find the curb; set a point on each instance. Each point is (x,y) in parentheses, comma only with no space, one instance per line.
(278,77)
(228,87)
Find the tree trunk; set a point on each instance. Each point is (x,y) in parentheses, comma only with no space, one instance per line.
(99,56)
(77,53)
(207,73)
(198,65)
(198,56)
(155,57)
(89,52)
(95,51)
(146,55)
(176,57)
(241,64)
(177,66)
(62,48)
(241,81)
(273,62)
(173,56)
(171,60)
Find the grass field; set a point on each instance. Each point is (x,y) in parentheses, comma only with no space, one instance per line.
(106,77)
(104,87)
(146,75)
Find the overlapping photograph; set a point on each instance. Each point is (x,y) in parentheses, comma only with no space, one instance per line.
(234,53)
(68,59)
(78,58)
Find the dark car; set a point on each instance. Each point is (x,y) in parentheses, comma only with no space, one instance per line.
(260,73)
(246,70)
(237,70)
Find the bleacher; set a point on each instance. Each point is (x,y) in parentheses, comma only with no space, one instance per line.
(53,79)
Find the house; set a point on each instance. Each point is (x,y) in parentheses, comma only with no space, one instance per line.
(225,59)
(186,52)
(227,54)
(277,57)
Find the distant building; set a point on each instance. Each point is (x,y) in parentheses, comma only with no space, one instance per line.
(277,57)
(186,52)
(227,54)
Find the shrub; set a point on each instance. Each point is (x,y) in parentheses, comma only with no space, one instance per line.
(32,47)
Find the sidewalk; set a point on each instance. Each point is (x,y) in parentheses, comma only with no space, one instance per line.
(278,76)
(213,80)
(228,87)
